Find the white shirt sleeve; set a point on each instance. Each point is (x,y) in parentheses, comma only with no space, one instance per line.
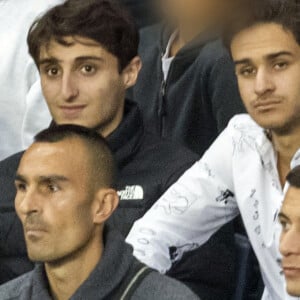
(191,211)
(36,113)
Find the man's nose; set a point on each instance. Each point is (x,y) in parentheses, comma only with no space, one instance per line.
(263,83)
(290,243)
(27,202)
(69,88)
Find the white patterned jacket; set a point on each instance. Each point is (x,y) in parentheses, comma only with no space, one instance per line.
(238,174)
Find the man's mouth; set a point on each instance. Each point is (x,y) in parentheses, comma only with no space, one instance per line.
(34,231)
(265,105)
(291,272)
(72,111)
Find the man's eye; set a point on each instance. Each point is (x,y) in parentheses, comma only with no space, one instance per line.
(53,188)
(246,72)
(21,187)
(88,69)
(280,65)
(52,72)
(285,225)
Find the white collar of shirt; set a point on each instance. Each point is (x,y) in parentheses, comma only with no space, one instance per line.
(167,59)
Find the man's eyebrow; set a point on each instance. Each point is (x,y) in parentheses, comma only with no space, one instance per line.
(242,61)
(53,60)
(268,57)
(281,215)
(277,54)
(52,178)
(48,61)
(20,177)
(90,57)
(43,179)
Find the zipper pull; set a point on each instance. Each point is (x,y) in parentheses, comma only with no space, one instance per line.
(163,88)
(162,107)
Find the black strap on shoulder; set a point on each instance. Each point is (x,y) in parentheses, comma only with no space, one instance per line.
(135,282)
(134,277)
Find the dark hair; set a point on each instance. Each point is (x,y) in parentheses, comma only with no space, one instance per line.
(104,21)
(102,161)
(252,12)
(293,178)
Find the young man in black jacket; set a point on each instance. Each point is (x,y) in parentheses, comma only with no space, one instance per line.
(64,197)
(187,89)
(85,70)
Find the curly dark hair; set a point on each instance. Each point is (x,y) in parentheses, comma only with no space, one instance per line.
(104,21)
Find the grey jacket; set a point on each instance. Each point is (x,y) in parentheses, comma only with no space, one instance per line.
(110,280)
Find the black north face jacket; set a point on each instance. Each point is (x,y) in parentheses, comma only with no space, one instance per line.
(148,166)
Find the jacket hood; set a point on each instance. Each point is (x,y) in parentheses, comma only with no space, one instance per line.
(126,140)
(107,276)
(113,267)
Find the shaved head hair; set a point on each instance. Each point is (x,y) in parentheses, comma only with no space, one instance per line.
(102,163)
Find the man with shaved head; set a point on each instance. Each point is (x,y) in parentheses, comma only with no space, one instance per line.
(64,197)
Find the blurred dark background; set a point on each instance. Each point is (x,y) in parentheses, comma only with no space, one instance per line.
(142,11)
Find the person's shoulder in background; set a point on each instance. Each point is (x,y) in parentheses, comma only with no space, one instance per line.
(13,256)
(8,170)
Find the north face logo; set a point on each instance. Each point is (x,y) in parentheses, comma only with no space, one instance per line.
(133,192)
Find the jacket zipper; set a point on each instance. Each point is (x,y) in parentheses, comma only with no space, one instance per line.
(162,109)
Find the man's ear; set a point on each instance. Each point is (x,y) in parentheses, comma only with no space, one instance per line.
(106,202)
(131,72)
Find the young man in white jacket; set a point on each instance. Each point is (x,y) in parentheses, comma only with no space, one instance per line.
(244,171)
(23,112)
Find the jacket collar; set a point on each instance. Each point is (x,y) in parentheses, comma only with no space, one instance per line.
(126,140)
(192,48)
(113,267)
